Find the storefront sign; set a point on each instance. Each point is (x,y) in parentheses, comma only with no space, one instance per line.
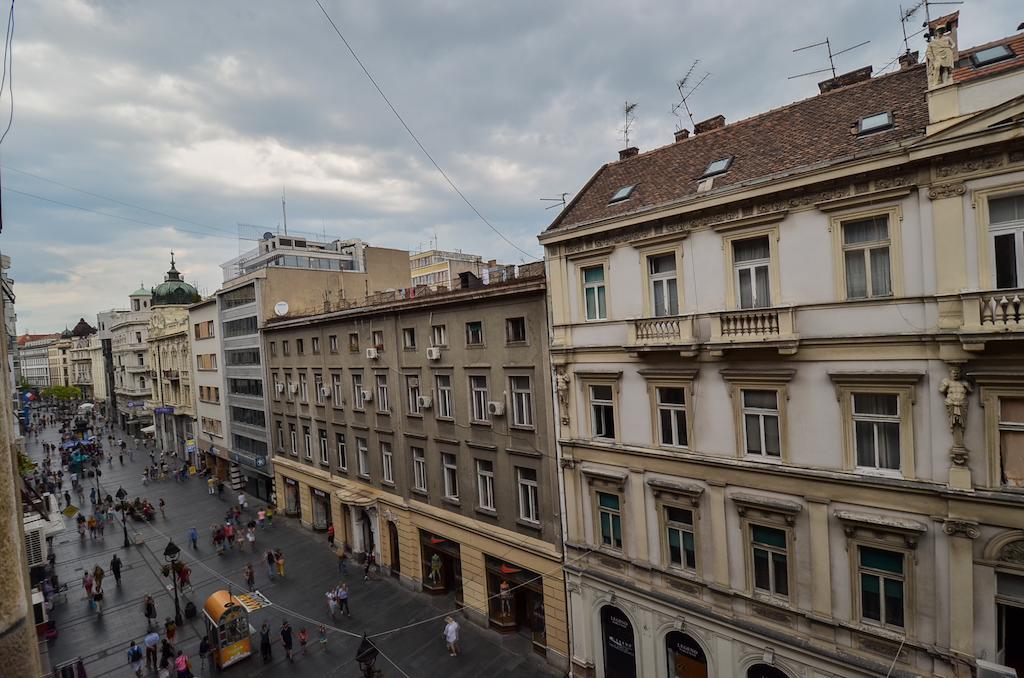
(163,410)
(248,459)
(685,656)
(132,404)
(619,647)
(190,445)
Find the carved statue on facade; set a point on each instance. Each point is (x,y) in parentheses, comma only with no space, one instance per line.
(940,57)
(956,391)
(562,388)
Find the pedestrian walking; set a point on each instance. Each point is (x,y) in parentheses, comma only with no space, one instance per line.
(204,650)
(343,559)
(250,576)
(330,535)
(166,652)
(271,564)
(120,457)
(181,665)
(241,501)
(261,517)
(67,499)
(322,632)
(170,630)
(332,603)
(162,504)
(366,568)
(135,658)
(303,639)
(270,517)
(265,643)
(149,609)
(97,599)
(193,536)
(279,559)
(87,583)
(115,568)
(250,536)
(286,639)
(97,575)
(211,486)
(342,596)
(152,642)
(451,635)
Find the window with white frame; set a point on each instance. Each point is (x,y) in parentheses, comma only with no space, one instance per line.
(377,339)
(292,438)
(445,406)
(336,394)
(770,560)
(594,302)
(383,402)
(419,469)
(1006,227)
(303,388)
(409,338)
(522,400)
(280,436)
(609,518)
(315,345)
(288,384)
(679,538)
(602,410)
(325,454)
(1011,440)
(332,343)
(307,442)
(761,423)
(485,484)
(529,495)
(515,330)
(342,451)
(475,333)
(751,268)
(478,398)
(412,390)
(671,405)
(664,289)
(876,431)
(357,391)
(362,457)
(881,581)
(275,380)
(866,248)
(450,472)
(387,462)
(318,386)
(439,335)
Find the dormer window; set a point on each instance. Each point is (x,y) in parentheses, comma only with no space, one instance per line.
(874,123)
(991,55)
(622,194)
(717,167)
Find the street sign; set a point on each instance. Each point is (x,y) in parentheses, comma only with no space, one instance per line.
(163,410)
(132,404)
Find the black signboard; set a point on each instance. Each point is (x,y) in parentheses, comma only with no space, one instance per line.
(619,645)
(686,659)
(765,671)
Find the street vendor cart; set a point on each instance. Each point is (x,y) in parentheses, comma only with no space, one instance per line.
(227,625)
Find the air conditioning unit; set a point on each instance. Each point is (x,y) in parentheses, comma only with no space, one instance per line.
(495,408)
(993,670)
(367,396)
(424,402)
(372,353)
(280,388)
(433,353)
(35,548)
(325,392)
(293,389)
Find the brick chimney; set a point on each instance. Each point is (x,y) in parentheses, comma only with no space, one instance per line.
(628,152)
(717,122)
(682,134)
(908,59)
(859,75)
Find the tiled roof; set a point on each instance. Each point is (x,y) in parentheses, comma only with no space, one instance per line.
(25,338)
(802,134)
(966,72)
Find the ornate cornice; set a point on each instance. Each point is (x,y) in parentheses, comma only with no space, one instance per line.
(961,528)
(950,190)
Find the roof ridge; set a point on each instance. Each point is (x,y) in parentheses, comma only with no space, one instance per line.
(991,43)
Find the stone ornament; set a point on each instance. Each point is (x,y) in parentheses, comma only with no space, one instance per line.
(951,190)
(963,528)
(562,388)
(956,391)
(1013,552)
(940,57)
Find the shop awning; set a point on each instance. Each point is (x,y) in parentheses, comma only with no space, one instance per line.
(354,497)
(149,429)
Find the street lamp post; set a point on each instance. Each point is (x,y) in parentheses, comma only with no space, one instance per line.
(171,556)
(121,496)
(366,656)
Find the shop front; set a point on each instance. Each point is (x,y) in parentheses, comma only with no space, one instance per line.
(442,565)
(321,508)
(619,643)
(292,506)
(516,601)
(686,658)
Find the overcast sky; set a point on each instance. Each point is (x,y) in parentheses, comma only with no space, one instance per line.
(204,110)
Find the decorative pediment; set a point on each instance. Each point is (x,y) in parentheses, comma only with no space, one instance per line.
(1013,552)
(779,507)
(853,522)
(604,478)
(676,490)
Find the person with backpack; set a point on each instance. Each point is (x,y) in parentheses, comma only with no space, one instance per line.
(135,658)
(115,568)
(149,609)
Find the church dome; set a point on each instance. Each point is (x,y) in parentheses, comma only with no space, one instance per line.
(174,291)
(66,334)
(83,329)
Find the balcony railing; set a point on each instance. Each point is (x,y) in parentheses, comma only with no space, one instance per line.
(668,332)
(999,311)
(755,327)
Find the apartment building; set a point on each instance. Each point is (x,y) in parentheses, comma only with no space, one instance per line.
(282,275)
(59,358)
(204,335)
(788,358)
(125,336)
(421,428)
(35,362)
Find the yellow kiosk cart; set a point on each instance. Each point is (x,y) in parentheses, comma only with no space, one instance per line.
(227,625)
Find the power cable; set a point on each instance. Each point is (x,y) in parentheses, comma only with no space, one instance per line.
(416,139)
(9,71)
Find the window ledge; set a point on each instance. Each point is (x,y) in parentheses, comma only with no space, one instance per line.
(388,483)
(452,501)
(417,491)
(493,513)
(535,527)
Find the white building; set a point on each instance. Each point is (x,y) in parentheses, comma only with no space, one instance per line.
(35,362)
(129,355)
(204,338)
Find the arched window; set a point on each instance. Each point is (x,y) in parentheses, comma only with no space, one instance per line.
(765,671)
(619,644)
(686,659)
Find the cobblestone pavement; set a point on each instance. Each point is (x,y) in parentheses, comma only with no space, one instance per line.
(378,605)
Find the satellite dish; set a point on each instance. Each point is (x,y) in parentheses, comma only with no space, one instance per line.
(268,235)
(281,308)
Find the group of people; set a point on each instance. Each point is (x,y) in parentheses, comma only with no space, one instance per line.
(92,583)
(288,641)
(160,654)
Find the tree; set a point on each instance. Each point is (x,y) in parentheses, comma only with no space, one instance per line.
(64,393)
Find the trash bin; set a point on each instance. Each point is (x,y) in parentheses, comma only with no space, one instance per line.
(139,541)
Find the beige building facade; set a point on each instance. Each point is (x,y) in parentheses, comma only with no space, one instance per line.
(132,376)
(791,385)
(421,428)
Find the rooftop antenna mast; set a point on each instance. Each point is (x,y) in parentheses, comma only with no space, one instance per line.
(684,94)
(284,212)
(556,202)
(831,56)
(628,119)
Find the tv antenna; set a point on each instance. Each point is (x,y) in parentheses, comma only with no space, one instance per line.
(831,57)
(926,4)
(628,119)
(556,202)
(684,94)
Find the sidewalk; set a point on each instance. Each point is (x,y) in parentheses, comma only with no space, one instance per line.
(379,605)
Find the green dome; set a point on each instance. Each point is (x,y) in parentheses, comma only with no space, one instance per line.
(141,292)
(66,334)
(174,291)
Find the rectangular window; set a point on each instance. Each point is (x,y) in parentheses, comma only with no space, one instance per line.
(610,519)
(303,388)
(522,401)
(439,335)
(412,390)
(325,454)
(387,463)
(451,476)
(357,391)
(444,396)
(682,547)
(241,327)
(284,348)
(1006,226)
(294,449)
(342,451)
(409,338)
(671,404)
(246,387)
(770,559)
(751,265)
(383,402)
(315,345)
(332,343)
(377,339)
(336,394)
(1011,440)
(478,401)
(203,330)
(206,361)
(664,290)
(595,306)
(307,442)
(515,330)
(318,388)
(362,457)
(300,347)
(419,469)
(876,430)
(243,415)
(242,358)
(761,423)
(881,586)
(353,342)
(280,436)
(475,333)
(602,411)
(866,257)
(485,483)
(273,349)
(529,495)
(239,297)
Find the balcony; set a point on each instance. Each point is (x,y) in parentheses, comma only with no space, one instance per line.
(173,375)
(669,333)
(137,369)
(754,328)
(991,315)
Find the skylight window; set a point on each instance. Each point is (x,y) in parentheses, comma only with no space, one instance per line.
(622,194)
(874,123)
(717,167)
(991,55)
